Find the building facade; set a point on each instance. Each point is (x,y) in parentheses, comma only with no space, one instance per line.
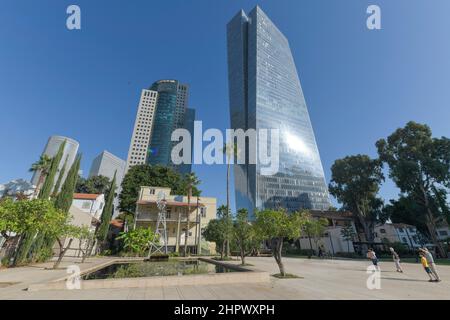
(398,233)
(91,204)
(202,210)
(162,109)
(85,211)
(69,155)
(332,240)
(106,164)
(265,93)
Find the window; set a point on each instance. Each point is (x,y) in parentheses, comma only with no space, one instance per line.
(443,233)
(404,240)
(152,191)
(203,212)
(400,230)
(382,230)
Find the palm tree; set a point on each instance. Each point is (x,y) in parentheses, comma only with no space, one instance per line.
(190,180)
(230,150)
(42,166)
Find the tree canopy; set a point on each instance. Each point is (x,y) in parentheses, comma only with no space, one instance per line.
(147,175)
(420,166)
(355,181)
(93,185)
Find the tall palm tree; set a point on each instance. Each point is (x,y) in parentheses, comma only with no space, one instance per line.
(42,166)
(231,151)
(191,180)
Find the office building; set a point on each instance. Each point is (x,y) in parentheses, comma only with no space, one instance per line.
(69,155)
(106,164)
(265,93)
(162,109)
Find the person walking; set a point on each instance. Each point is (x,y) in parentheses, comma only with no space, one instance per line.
(426,266)
(373,257)
(430,260)
(320,252)
(396,259)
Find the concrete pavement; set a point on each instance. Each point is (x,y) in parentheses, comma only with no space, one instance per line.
(320,279)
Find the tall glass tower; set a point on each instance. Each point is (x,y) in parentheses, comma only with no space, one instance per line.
(162,109)
(265,93)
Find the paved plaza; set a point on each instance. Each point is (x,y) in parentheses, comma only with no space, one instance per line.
(320,279)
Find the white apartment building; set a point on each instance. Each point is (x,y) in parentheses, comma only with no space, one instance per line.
(398,232)
(89,203)
(140,139)
(332,240)
(86,211)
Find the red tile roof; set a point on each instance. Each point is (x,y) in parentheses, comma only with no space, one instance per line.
(85,196)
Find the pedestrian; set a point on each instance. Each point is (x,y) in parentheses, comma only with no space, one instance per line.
(373,257)
(430,260)
(320,252)
(396,259)
(426,266)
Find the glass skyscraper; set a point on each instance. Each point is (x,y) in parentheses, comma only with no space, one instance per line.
(162,109)
(170,114)
(265,93)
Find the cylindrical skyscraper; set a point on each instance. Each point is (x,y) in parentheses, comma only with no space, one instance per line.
(51,148)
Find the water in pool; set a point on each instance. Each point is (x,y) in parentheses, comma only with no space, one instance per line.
(153,269)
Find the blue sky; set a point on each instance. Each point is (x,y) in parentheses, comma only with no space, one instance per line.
(359,85)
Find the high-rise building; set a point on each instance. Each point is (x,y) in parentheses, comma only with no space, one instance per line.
(265,93)
(162,109)
(140,140)
(106,164)
(51,148)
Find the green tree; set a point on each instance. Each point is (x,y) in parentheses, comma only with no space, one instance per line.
(420,167)
(231,151)
(190,181)
(107,212)
(27,219)
(50,179)
(216,231)
(137,241)
(42,166)
(407,210)
(65,197)
(348,234)
(245,235)
(315,229)
(276,225)
(60,177)
(147,175)
(355,181)
(93,185)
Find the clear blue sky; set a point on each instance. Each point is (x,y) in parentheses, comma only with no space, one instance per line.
(359,85)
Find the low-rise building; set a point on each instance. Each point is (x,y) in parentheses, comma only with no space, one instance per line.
(398,232)
(86,211)
(90,203)
(332,240)
(200,211)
